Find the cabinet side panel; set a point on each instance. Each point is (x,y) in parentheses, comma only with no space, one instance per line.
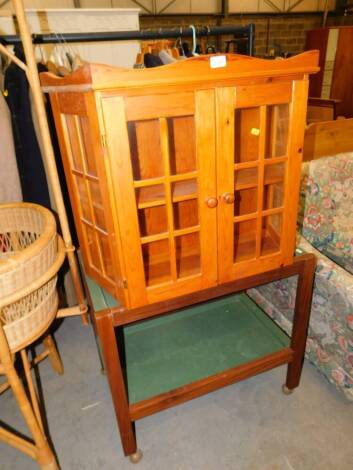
(81,151)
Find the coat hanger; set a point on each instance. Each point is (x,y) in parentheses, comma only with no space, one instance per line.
(193,51)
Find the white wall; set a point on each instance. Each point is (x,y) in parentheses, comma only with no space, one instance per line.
(40,4)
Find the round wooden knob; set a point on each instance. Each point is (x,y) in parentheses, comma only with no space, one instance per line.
(211,202)
(228,198)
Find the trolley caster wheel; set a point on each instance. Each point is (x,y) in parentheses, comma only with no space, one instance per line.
(136,457)
(286,390)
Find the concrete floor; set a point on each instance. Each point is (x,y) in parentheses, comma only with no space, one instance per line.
(247,426)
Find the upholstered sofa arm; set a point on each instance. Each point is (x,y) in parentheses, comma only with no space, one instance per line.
(326,207)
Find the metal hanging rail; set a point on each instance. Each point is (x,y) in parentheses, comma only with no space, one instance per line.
(247,31)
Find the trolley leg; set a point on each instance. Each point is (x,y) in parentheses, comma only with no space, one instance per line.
(105,327)
(300,322)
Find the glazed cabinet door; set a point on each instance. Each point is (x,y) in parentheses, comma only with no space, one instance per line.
(88,183)
(259,152)
(161,149)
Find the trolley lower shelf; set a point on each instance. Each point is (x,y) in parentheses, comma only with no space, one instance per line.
(168,352)
(160,355)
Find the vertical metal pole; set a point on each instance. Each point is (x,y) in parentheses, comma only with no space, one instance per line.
(251,39)
(33,78)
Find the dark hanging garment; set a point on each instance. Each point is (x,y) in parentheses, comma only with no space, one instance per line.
(151,60)
(29,159)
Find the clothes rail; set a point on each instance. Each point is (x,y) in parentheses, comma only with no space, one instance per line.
(57,38)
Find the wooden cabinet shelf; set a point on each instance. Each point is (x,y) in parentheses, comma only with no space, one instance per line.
(248,177)
(150,196)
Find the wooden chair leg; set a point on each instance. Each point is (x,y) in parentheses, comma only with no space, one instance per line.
(44,455)
(40,451)
(115,377)
(301,322)
(54,357)
(32,391)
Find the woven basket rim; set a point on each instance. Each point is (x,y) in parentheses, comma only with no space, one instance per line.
(41,242)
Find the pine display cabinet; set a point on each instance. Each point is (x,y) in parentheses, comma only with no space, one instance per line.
(184,183)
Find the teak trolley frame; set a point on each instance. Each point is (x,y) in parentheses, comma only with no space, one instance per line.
(108,321)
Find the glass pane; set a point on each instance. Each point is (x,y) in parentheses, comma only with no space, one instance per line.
(153,220)
(150,195)
(244,240)
(92,247)
(245,201)
(277,130)
(145,149)
(246,178)
(188,254)
(73,137)
(273,196)
(156,262)
(87,145)
(107,257)
(83,196)
(274,173)
(185,214)
(97,203)
(271,234)
(182,152)
(184,190)
(246,135)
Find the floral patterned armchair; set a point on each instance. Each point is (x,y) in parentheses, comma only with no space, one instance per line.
(326,229)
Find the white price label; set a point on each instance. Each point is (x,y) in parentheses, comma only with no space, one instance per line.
(218,61)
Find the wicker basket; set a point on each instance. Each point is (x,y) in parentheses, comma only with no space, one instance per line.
(31,254)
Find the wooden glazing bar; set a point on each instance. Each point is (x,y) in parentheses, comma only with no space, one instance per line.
(250,164)
(168,194)
(160,180)
(186,231)
(254,215)
(209,384)
(273,137)
(186,197)
(146,205)
(273,161)
(155,238)
(260,187)
(276,210)
(85,175)
(148,182)
(184,176)
(245,217)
